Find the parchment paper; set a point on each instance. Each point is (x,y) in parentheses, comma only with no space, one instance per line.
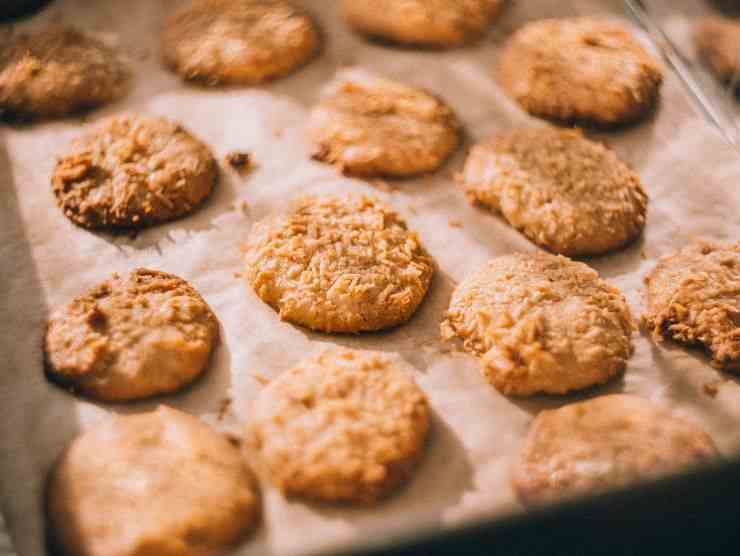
(687,170)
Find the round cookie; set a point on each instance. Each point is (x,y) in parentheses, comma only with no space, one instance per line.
(131,337)
(58,71)
(717,41)
(606,442)
(344,426)
(373,127)
(585,69)
(693,297)
(238,42)
(133,171)
(541,324)
(159,483)
(566,193)
(339,264)
(426,23)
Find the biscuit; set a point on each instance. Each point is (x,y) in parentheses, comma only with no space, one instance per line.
(568,194)
(717,41)
(339,264)
(344,426)
(159,483)
(425,23)
(133,171)
(373,127)
(58,71)
(238,42)
(693,297)
(131,337)
(606,442)
(589,70)
(541,323)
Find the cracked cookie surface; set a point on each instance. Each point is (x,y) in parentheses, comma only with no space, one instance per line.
(541,324)
(131,337)
(343,426)
(693,298)
(606,442)
(339,264)
(133,171)
(566,193)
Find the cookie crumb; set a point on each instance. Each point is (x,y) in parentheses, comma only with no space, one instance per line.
(239,161)
(262,379)
(238,275)
(223,408)
(233,439)
(455,223)
(711,389)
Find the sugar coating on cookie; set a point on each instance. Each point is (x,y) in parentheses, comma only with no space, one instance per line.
(693,297)
(426,23)
(368,126)
(717,41)
(566,193)
(160,483)
(584,69)
(541,323)
(132,171)
(339,264)
(58,71)
(606,442)
(238,42)
(343,426)
(131,337)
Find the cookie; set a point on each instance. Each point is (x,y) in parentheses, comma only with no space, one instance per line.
(566,193)
(238,42)
(541,323)
(717,41)
(131,337)
(58,71)
(693,297)
(159,483)
(133,171)
(585,69)
(606,442)
(374,127)
(425,23)
(339,264)
(344,426)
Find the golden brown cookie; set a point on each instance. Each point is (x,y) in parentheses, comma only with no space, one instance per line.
(584,69)
(344,426)
(58,71)
(602,443)
(238,42)
(717,41)
(131,337)
(133,171)
(426,23)
(693,298)
(339,264)
(541,324)
(159,483)
(369,126)
(566,193)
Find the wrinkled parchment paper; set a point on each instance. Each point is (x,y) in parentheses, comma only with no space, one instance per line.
(689,173)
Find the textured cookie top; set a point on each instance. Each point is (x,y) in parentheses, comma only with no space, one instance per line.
(57,71)
(238,41)
(345,425)
(566,193)
(717,41)
(603,443)
(584,69)
(155,483)
(131,336)
(694,298)
(339,264)
(131,171)
(369,126)
(429,23)
(541,323)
